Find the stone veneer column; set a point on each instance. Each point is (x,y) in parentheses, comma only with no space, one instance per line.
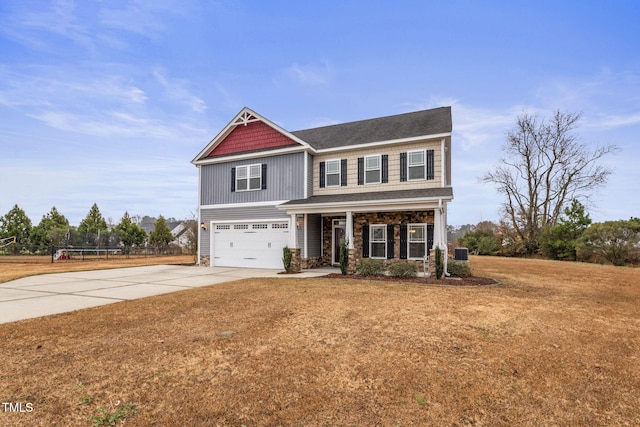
(351,268)
(296,260)
(431,268)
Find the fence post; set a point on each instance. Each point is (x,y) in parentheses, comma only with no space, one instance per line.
(53,253)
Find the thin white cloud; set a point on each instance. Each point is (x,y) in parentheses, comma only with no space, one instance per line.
(118,124)
(143,17)
(175,89)
(615,121)
(48,86)
(619,91)
(29,25)
(309,74)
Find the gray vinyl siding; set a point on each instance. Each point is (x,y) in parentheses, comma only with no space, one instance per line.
(285,181)
(235,214)
(314,235)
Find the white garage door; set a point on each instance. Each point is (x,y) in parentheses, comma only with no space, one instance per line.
(252,245)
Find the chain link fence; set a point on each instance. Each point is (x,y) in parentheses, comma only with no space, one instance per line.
(40,254)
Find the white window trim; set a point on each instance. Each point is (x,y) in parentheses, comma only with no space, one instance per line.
(379,169)
(371,242)
(326,172)
(424,165)
(248,178)
(424,226)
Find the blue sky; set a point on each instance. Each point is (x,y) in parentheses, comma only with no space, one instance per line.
(107,102)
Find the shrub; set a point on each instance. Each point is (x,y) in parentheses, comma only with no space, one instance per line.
(481,242)
(371,267)
(287,256)
(459,268)
(344,257)
(439,263)
(403,269)
(614,242)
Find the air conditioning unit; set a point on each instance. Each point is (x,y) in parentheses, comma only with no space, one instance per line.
(461,254)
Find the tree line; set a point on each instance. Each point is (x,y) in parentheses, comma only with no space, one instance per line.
(54,230)
(574,238)
(547,176)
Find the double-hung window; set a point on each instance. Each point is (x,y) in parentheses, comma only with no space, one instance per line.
(378,241)
(332,173)
(417,240)
(417,165)
(372,169)
(249,177)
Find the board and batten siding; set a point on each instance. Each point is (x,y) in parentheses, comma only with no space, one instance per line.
(285,181)
(247,213)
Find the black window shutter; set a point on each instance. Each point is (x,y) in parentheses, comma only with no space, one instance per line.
(343,172)
(430,172)
(264,176)
(403,167)
(233,180)
(322,177)
(365,241)
(391,240)
(360,170)
(385,168)
(429,237)
(403,241)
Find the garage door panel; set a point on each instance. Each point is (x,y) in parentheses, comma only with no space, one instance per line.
(249,245)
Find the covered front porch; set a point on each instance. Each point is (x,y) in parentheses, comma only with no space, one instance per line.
(389,229)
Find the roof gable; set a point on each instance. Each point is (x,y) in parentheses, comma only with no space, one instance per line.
(248,132)
(252,136)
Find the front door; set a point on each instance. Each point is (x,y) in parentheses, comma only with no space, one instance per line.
(338,237)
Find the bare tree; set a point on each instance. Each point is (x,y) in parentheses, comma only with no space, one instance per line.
(545,167)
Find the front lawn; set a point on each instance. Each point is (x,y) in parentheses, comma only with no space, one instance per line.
(556,344)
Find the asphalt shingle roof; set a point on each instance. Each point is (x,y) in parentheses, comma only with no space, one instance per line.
(418,123)
(373,196)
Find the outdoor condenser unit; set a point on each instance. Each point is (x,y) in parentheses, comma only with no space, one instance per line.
(461,254)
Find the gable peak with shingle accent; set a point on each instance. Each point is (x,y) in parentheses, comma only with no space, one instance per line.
(249,132)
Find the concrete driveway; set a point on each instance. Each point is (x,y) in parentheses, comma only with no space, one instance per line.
(47,294)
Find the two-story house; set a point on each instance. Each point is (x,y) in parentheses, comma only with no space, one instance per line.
(381,184)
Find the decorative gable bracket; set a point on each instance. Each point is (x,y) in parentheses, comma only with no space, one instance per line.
(245,118)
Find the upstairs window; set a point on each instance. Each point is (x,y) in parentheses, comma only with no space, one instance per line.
(372,170)
(417,165)
(332,173)
(248,177)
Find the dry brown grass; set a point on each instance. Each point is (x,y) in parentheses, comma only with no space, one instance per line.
(21,266)
(557,344)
